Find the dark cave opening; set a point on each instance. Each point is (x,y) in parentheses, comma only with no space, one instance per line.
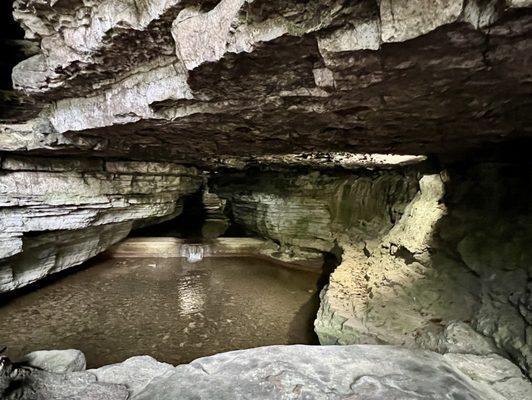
(196,223)
(187,225)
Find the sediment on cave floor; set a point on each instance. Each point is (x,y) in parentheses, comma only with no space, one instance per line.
(272,199)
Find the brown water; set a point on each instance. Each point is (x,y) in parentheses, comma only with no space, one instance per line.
(170,309)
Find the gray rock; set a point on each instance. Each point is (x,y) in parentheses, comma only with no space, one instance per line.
(138,81)
(285,372)
(28,383)
(135,373)
(318,372)
(495,371)
(458,253)
(75,208)
(58,361)
(306,212)
(459,337)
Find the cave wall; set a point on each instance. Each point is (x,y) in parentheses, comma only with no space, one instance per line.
(488,229)
(304,212)
(56,213)
(426,257)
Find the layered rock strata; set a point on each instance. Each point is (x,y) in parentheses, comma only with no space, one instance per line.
(260,77)
(305,212)
(425,261)
(57,213)
(369,372)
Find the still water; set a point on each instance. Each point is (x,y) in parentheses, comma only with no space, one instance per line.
(171,309)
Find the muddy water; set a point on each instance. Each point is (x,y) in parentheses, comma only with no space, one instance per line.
(170,309)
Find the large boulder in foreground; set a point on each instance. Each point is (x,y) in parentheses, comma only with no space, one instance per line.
(368,372)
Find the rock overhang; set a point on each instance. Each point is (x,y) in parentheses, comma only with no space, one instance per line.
(188,81)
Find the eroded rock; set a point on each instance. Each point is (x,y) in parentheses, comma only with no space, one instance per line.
(459,257)
(136,80)
(318,372)
(57,213)
(303,212)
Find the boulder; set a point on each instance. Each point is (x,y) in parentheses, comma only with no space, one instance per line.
(58,361)
(320,372)
(366,372)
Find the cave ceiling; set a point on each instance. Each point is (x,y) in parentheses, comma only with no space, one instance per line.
(197,82)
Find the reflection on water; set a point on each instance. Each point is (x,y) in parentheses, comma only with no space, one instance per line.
(191,295)
(168,308)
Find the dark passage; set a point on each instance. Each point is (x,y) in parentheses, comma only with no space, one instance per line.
(195,223)
(186,225)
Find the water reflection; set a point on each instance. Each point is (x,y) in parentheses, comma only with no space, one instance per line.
(191,294)
(167,308)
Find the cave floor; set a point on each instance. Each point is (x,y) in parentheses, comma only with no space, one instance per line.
(170,309)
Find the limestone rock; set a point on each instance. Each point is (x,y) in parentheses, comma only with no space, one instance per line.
(274,372)
(328,372)
(135,373)
(458,257)
(216,222)
(42,385)
(495,371)
(403,20)
(130,79)
(58,212)
(57,361)
(459,337)
(302,212)
(48,253)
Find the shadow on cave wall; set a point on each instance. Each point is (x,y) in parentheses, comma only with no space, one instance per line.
(306,315)
(488,228)
(195,224)
(187,225)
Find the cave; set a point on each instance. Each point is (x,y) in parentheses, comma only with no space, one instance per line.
(250,199)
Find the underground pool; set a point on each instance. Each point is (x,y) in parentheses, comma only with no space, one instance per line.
(168,308)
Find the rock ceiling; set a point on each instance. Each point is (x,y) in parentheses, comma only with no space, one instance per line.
(196,81)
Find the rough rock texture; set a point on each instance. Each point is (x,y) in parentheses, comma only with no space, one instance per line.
(294,372)
(459,257)
(446,268)
(440,260)
(216,222)
(304,212)
(57,361)
(136,79)
(57,213)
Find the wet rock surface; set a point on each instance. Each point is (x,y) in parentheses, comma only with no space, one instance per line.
(291,372)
